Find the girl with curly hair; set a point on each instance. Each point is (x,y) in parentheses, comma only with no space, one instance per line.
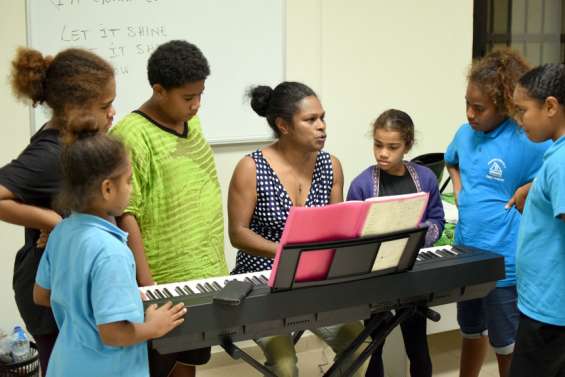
(492,164)
(74,79)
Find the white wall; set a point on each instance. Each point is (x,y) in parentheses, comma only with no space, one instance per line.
(362,57)
(14,135)
(393,54)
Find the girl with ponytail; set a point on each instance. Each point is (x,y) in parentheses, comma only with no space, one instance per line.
(72,80)
(87,272)
(540,259)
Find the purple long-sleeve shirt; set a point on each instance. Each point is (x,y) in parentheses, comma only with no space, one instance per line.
(366,185)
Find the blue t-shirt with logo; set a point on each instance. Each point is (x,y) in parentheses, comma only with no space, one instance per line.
(492,166)
(540,259)
(91,274)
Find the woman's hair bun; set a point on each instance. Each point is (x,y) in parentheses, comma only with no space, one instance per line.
(260,99)
(80,126)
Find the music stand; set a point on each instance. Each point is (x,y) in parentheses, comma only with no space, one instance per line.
(352,259)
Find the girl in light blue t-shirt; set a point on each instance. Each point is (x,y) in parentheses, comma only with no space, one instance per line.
(540,258)
(87,272)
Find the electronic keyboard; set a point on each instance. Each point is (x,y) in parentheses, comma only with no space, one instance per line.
(440,275)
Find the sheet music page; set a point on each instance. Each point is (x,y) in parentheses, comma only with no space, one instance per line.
(394,213)
(389,254)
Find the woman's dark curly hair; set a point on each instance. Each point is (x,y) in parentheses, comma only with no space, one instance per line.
(176,63)
(497,74)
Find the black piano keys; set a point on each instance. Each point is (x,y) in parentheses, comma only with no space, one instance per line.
(435,253)
(206,286)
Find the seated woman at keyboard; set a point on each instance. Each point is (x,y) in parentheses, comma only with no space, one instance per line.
(293,171)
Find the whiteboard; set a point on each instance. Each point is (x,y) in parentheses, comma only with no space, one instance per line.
(243,40)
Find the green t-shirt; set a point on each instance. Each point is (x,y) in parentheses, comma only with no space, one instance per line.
(175,198)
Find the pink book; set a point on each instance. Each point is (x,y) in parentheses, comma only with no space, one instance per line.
(342,221)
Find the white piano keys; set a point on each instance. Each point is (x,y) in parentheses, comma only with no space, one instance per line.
(437,252)
(200,286)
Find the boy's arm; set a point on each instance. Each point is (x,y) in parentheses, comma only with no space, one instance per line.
(158,322)
(41,296)
(140,156)
(128,223)
(455,175)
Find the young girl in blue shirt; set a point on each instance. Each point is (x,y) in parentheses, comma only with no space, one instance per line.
(393,135)
(540,258)
(492,163)
(87,272)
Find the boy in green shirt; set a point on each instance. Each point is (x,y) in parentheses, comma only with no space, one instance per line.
(174,218)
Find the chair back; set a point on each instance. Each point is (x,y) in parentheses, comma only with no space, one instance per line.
(433,161)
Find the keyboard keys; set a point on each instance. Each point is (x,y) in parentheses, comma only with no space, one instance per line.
(150,295)
(437,253)
(256,280)
(202,286)
(180,291)
(188,290)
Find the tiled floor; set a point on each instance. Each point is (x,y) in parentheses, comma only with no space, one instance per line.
(314,359)
(444,349)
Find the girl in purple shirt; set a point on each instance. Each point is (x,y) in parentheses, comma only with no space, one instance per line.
(393,135)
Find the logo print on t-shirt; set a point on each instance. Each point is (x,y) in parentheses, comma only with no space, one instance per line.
(496,169)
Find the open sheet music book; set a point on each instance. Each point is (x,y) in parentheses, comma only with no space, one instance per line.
(349,220)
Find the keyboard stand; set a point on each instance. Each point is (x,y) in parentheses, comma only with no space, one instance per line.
(237,353)
(380,325)
(353,259)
